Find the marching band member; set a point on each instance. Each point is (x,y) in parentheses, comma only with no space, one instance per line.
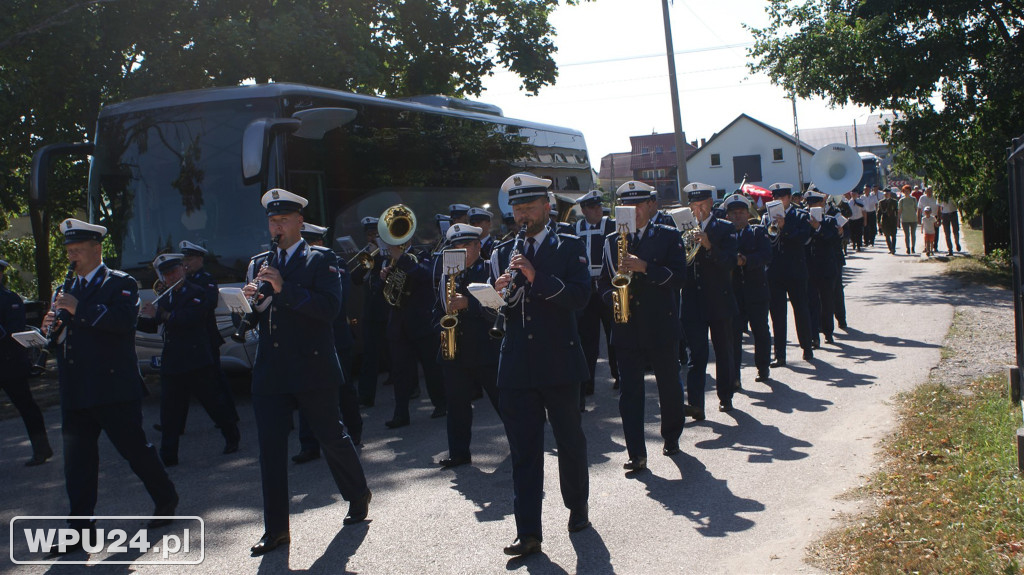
(708,304)
(592,229)
(822,270)
(750,284)
(657,261)
(458,214)
(348,398)
(542,364)
(481,218)
(17,368)
(101,388)
(475,363)
(787,273)
(187,366)
(375,316)
(297,366)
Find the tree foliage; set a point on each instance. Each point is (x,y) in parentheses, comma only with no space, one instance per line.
(61,60)
(952,71)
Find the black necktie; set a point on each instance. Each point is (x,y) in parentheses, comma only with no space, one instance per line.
(531,249)
(282,259)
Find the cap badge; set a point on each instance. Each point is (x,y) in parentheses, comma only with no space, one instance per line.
(517,180)
(632,186)
(276,195)
(70,225)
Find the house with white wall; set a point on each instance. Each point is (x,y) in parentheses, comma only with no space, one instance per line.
(752,149)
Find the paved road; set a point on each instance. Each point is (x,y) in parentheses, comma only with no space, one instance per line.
(750,491)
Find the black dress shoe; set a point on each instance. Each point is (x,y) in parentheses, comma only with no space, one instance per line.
(358,509)
(158,427)
(779,363)
(694,412)
(762,376)
(725,406)
(230,447)
(55,551)
(269,542)
(438,412)
(830,340)
(635,465)
(165,509)
(397,422)
(578,520)
(525,545)
(615,384)
(815,344)
(169,460)
(808,355)
(306,455)
(842,326)
(366,402)
(454,462)
(670,449)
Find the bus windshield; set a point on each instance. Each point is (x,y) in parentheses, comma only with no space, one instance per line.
(168,174)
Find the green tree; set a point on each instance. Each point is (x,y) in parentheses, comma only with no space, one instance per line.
(950,70)
(61,60)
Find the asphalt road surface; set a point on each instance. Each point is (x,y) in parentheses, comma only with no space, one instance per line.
(749,492)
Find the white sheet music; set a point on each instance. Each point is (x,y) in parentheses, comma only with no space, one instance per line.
(486,295)
(30,338)
(233,299)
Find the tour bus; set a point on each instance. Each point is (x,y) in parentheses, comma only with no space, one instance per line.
(872,175)
(193,165)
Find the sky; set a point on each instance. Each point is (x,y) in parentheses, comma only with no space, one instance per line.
(613,74)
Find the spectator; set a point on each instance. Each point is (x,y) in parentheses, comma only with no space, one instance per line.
(908,217)
(928,227)
(950,223)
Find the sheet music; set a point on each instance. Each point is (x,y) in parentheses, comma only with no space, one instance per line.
(486,295)
(683,218)
(775,208)
(29,339)
(233,299)
(625,219)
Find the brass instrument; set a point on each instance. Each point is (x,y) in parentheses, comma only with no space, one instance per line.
(497,331)
(691,244)
(621,280)
(454,264)
(248,320)
(363,258)
(396,227)
(164,289)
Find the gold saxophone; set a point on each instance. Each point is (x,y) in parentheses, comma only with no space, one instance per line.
(621,281)
(449,321)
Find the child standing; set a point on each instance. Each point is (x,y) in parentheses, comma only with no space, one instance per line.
(928,227)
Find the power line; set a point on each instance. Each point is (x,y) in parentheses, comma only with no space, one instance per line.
(645,56)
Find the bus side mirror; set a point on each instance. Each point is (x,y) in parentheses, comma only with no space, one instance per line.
(310,124)
(256,142)
(42,160)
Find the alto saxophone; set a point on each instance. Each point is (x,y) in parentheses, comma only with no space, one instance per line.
(449,321)
(621,281)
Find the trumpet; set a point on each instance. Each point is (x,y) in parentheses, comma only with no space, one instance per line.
(497,331)
(248,320)
(621,280)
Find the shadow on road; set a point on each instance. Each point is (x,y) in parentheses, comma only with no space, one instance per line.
(763,443)
(334,559)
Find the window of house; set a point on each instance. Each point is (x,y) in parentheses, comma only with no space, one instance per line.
(747,167)
(658,149)
(777,154)
(645,150)
(716,160)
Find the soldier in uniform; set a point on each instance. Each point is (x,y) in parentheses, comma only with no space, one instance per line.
(592,229)
(787,274)
(822,271)
(16,369)
(481,218)
(542,364)
(475,364)
(657,262)
(457,214)
(101,388)
(708,304)
(375,317)
(750,284)
(187,366)
(297,366)
(348,398)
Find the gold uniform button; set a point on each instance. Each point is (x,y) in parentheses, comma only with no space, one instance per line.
(275,344)
(528,318)
(529,336)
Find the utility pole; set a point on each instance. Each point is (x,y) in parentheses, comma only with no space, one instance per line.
(681,177)
(796,145)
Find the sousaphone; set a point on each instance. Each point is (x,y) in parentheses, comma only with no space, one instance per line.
(836,169)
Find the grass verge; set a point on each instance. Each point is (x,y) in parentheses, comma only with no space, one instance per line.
(977,268)
(950,499)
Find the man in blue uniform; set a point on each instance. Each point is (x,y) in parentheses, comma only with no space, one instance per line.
(709,304)
(195,264)
(187,366)
(787,273)
(592,229)
(750,284)
(16,369)
(481,218)
(101,388)
(823,270)
(542,364)
(457,214)
(657,263)
(348,399)
(475,364)
(375,316)
(297,366)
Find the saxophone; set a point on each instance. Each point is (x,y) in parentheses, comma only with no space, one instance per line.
(621,280)
(449,321)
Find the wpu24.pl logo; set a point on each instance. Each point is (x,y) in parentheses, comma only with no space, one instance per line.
(111,539)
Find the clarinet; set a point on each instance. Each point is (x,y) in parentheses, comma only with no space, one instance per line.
(56,328)
(497,331)
(263,290)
